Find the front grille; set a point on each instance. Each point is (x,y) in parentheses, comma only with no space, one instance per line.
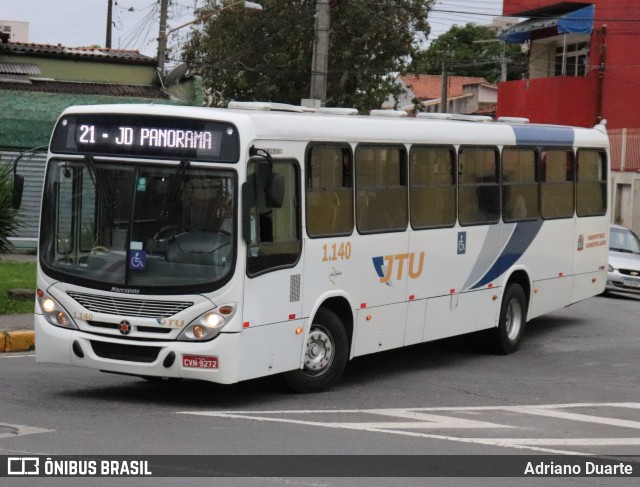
(130,307)
(144,329)
(629,272)
(128,353)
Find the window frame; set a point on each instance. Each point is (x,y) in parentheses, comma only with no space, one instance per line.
(404,177)
(298,212)
(460,184)
(454,168)
(305,186)
(537,182)
(604,179)
(542,181)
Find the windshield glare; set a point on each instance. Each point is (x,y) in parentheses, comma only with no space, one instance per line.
(140,226)
(624,240)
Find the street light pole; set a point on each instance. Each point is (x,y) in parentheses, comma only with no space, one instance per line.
(164,33)
(162,37)
(107,43)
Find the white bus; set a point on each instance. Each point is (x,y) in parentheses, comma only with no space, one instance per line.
(230,244)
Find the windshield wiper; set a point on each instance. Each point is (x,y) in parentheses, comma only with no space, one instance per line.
(626,251)
(173,191)
(98,183)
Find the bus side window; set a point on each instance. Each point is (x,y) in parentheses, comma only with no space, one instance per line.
(557,187)
(478,186)
(433,187)
(381,189)
(519,185)
(591,186)
(329,191)
(274,233)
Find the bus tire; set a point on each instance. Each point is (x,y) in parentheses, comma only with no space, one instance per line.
(505,339)
(326,355)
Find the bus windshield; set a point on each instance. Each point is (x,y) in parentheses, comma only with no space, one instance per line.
(141,226)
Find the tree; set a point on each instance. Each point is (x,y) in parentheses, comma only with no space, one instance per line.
(267,56)
(466,53)
(9,222)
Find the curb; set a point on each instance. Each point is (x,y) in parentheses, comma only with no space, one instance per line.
(17,341)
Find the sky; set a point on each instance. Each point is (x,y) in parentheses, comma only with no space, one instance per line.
(76,23)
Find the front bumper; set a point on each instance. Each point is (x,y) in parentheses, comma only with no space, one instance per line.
(617,282)
(137,357)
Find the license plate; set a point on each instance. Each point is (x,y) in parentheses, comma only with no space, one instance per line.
(199,362)
(630,283)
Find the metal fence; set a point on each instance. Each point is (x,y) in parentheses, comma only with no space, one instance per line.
(31,166)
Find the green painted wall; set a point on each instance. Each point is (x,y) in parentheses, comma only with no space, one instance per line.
(27,118)
(88,71)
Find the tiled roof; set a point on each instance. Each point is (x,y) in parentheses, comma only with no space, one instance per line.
(85,53)
(73,88)
(428,86)
(19,68)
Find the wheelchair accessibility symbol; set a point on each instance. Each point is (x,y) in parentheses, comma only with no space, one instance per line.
(462,243)
(137,260)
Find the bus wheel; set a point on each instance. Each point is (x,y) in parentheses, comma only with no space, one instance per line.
(506,337)
(325,357)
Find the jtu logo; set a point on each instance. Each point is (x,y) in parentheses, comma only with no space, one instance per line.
(388,265)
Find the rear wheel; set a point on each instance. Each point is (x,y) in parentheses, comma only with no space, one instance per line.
(326,354)
(506,337)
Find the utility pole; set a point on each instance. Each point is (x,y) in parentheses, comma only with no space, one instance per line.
(107,43)
(444,93)
(320,52)
(162,37)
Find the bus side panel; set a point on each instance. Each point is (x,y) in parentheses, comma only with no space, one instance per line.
(415,322)
(273,297)
(271,349)
(591,256)
(457,314)
(551,253)
(549,295)
(380,328)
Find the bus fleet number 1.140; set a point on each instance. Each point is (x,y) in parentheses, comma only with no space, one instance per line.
(336,252)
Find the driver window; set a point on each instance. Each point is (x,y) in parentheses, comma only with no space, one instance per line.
(274,233)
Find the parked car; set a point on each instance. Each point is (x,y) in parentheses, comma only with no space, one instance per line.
(624,261)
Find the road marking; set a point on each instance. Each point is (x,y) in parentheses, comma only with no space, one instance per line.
(569,441)
(15,355)
(623,423)
(421,420)
(13,430)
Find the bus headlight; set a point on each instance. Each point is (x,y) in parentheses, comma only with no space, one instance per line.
(207,326)
(54,312)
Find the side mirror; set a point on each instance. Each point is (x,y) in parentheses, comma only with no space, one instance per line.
(18,188)
(275,191)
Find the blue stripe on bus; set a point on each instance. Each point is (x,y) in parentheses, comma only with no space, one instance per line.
(519,242)
(543,135)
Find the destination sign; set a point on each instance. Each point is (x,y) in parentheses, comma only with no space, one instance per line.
(146,136)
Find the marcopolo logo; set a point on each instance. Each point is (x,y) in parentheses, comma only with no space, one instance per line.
(390,267)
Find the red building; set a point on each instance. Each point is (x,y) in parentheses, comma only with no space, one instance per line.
(584,66)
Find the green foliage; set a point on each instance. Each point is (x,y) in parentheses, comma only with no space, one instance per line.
(16,275)
(267,56)
(466,53)
(9,221)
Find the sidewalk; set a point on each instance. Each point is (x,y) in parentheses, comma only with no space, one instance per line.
(16,331)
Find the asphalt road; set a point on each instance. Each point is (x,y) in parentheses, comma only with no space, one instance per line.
(572,388)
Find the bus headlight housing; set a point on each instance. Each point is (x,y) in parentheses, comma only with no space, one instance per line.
(207,326)
(54,312)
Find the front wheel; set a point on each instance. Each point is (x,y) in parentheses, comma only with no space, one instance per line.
(326,354)
(505,339)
